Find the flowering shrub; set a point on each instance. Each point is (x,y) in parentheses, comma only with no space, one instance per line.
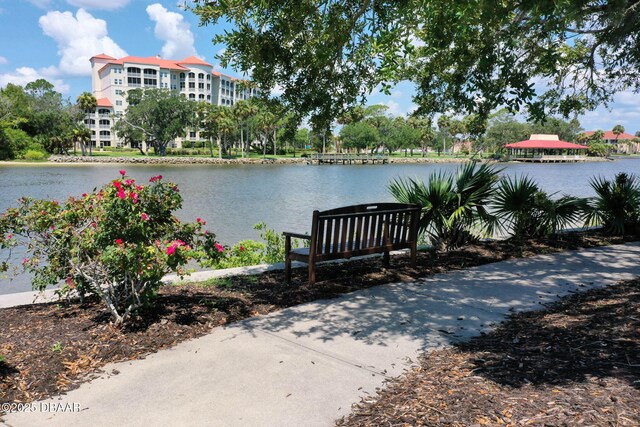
(116,243)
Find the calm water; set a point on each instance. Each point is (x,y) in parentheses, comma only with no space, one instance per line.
(234,198)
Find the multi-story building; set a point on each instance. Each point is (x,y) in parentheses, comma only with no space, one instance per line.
(112,78)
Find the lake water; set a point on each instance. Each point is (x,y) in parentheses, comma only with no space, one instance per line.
(234,198)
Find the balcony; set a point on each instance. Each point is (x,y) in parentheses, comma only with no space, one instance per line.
(134,75)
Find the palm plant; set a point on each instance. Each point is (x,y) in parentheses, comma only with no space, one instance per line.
(524,210)
(616,205)
(454,208)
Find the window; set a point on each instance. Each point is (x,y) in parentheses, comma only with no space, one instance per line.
(150,72)
(192,75)
(201,96)
(192,85)
(150,82)
(200,85)
(192,96)
(192,134)
(181,76)
(134,81)
(103,111)
(104,122)
(181,85)
(201,76)
(173,77)
(118,102)
(208,86)
(133,70)
(208,97)
(208,77)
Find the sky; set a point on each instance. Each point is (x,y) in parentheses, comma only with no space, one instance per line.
(54,39)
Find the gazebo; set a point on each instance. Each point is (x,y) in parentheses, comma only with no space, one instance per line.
(546,148)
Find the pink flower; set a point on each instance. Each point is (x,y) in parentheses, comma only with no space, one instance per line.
(25,260)
(123,172)
(94,224)
(144,216)
(117,184)
(134,197)
(69,282)
(171,250)
(219,247)
(201,221)
(121,194)
(84,194)
(119,241)
(241,248)
(9,236)
(155,178)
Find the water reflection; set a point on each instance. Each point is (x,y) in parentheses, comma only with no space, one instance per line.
(234,198)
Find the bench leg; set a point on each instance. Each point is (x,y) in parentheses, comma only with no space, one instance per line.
(287,259)
(312,272)
(385,259)
(414,253)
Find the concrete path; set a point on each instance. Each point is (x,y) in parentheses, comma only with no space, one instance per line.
(306,366)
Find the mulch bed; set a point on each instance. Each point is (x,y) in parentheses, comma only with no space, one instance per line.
(52,348)
(575,363)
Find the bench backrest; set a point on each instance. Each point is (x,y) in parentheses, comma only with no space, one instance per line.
(363,229)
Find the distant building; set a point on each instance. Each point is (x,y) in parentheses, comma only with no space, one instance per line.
(625,143)
(196,79)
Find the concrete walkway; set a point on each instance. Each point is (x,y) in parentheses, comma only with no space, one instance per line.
(308,364)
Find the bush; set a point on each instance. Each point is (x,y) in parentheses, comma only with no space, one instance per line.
(251,252)
(34,155)
(116,243)
(616,205)
(453,206)
(526,211)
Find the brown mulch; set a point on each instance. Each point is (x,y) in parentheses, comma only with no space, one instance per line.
(575,363)
(52,348)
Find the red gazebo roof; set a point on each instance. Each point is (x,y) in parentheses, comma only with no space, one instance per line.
(542,144)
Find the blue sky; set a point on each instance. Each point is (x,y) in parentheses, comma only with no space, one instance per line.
(54,39)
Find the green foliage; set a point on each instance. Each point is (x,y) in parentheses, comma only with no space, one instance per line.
(156,116)
(526,211)
(359,136)
(57,347)
(453,205)
(116,243)
(36,155)
(469,57)
(250,252)
(13,143)
(616,205)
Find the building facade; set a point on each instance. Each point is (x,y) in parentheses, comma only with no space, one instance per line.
(622,143)
(112,78)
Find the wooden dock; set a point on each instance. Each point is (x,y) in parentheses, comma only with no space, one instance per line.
(348,159)
(546,158)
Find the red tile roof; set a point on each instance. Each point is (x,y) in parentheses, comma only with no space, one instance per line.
(608,134)
(104,102)
(152,60)
(103,56)
(192,60)
(532,143)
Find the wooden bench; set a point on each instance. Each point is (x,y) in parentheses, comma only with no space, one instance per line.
(356,230)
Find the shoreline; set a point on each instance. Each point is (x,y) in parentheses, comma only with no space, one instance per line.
(79,160)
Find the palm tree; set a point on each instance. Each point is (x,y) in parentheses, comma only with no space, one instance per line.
(82,135)
(525,211)
(617,131)
(242,111)
(87,103)
(454,207)
(616,205)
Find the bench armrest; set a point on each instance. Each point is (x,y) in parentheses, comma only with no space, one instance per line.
(297,235)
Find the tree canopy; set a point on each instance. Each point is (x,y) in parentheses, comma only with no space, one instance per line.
(469,56)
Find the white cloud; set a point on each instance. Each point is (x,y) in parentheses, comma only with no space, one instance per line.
(624,110)
(174,30)
(99,4)
(24,75)
(78,39)
(396,109)
(3,60)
